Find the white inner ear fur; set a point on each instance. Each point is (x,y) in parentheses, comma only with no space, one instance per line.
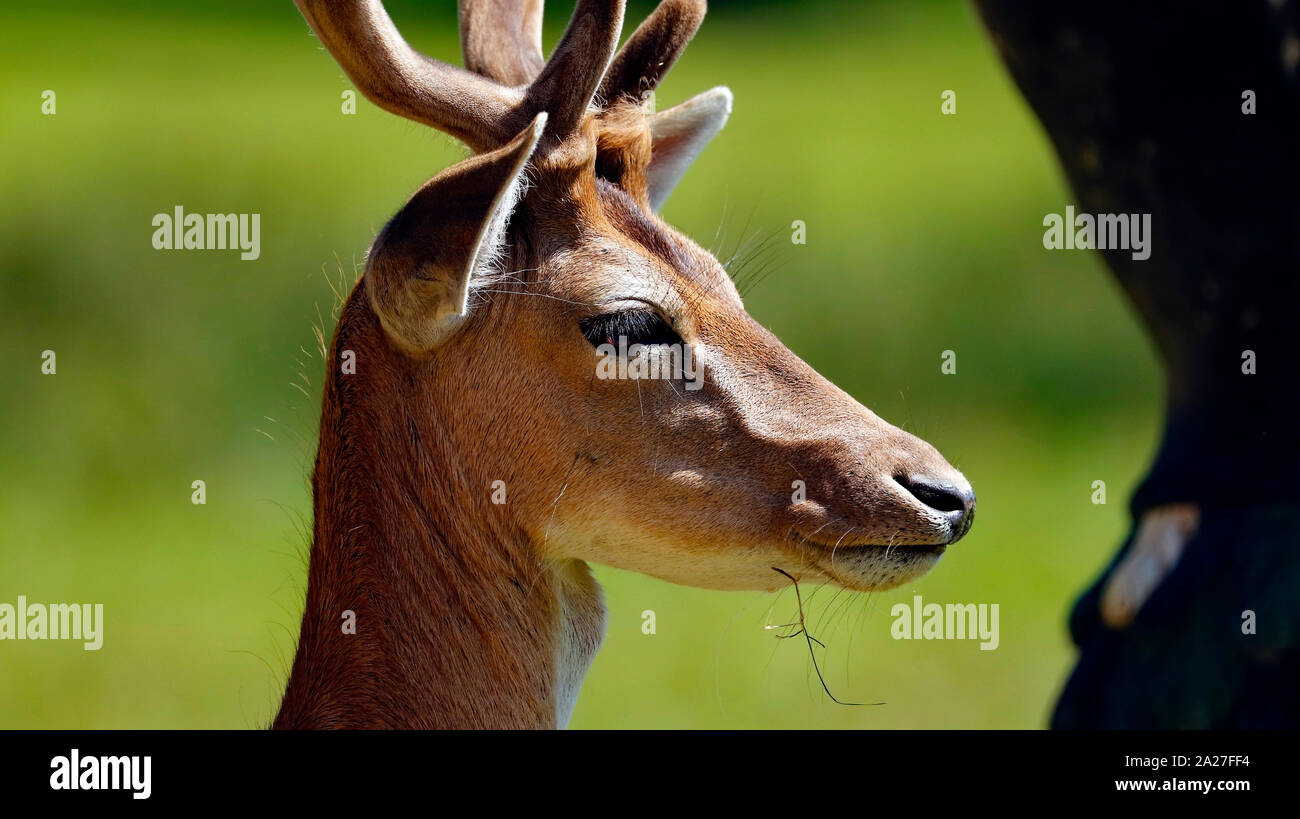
(485,263)
(680,134)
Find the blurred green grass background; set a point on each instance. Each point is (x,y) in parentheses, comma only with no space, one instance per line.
(924,234)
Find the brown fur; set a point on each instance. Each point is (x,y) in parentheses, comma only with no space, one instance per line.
(476,614)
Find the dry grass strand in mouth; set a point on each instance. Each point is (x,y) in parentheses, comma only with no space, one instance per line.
(801,629)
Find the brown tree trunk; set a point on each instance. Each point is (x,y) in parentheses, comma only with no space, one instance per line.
(1145,106)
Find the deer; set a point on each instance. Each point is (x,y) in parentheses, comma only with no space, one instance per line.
(473,329)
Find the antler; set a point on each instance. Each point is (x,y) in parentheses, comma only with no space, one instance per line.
(477,110)
(397,78)
(567,84)
(652,49)
(420,267)
(502,39)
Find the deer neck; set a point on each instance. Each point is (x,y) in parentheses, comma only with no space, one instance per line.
(424,609)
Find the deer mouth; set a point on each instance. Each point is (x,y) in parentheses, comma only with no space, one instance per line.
(866,565)
(858,551)
(932,540)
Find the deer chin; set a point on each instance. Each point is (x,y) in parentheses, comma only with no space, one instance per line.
(725,563)
(871,567)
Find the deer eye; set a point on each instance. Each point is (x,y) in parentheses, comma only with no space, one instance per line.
(637,326)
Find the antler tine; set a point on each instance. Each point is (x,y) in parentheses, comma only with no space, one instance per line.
(652,49)
(566,85)
(362,38)
(502,39)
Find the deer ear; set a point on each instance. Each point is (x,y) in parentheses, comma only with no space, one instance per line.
(420,266)
(679,134)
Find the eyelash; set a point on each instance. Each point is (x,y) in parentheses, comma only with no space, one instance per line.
(638,326)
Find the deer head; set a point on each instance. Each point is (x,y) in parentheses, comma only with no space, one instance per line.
(481,453)
(487,299)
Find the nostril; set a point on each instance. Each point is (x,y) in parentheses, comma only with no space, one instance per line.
(943,497)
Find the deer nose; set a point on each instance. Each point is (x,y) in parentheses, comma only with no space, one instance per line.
(954,500)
